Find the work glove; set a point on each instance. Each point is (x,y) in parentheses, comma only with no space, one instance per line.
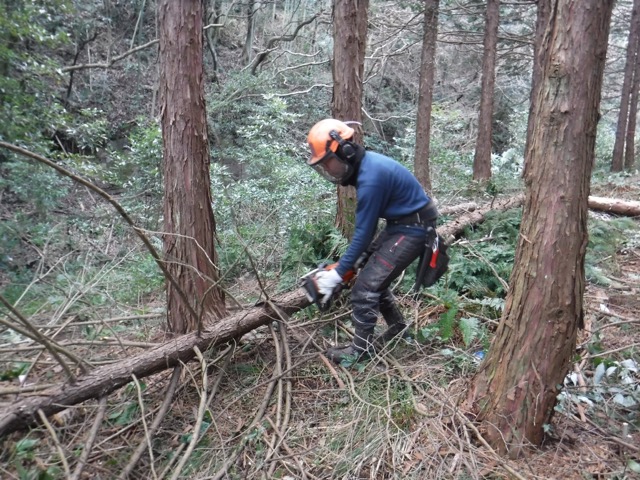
(327,281)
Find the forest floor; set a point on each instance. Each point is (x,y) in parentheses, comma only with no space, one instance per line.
(271,406)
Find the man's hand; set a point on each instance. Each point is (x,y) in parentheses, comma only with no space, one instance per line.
(327,281)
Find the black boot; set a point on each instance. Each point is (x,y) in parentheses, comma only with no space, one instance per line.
(397,327)
(397,330)
(360,349)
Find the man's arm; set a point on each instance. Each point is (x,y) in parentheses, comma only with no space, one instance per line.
(369,206)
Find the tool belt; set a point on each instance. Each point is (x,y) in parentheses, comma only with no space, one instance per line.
(426,214)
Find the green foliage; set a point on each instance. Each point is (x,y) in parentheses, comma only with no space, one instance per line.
(446,323)
(606,237)
(28,33)
(269,204)
(477,266)
(27,465)
(614,387)
(470,328)
(125,415)
(137,168)
(13,371)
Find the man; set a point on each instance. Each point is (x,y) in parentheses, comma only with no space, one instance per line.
(384,189)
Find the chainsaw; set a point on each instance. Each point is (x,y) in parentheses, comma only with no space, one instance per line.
(308,282)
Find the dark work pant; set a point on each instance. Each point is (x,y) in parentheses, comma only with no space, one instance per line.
(391,254)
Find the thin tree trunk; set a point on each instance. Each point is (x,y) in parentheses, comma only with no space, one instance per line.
(211,35)
(630,141)
(188,215)
(514,392)
(425,94)
(350,41)
(623,116)
(247,51)
(482,158)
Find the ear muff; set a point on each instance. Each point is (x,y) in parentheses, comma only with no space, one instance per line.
(348,150)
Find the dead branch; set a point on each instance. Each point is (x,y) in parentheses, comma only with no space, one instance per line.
(86,450)
(164,408)
(109,63)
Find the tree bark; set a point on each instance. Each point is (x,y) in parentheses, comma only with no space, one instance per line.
(425,94)
(482,157)
(189,247)
(623,116)
(349,44)
(515,389)
(539,58)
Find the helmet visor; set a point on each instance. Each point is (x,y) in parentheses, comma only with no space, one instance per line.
(332,168)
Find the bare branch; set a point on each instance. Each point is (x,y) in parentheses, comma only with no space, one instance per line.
(88,445)
(273,41)
(126,54)
(110,63)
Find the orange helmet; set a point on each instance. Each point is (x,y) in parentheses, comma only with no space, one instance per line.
(325,137)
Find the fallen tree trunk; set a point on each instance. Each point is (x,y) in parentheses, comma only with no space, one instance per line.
(104,380)
(107,379)
(458,209)
(612,205)
(454,228)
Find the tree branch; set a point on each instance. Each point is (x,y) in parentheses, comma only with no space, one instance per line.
(273,41)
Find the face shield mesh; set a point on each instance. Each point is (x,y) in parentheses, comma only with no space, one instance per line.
(332,168)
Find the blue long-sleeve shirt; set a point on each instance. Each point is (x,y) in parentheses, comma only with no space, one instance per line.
(384,189)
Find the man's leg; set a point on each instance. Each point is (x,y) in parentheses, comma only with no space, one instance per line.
(393,253)
(396,324)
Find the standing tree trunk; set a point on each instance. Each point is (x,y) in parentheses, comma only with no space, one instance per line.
(349,44)
(515,389)
(623,115)
(482,158)
(425,94)
(539,58)
(630,141)
(188,216)
(211,14)
(247,51)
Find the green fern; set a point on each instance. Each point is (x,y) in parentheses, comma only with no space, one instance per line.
(470,328)
(447,322)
